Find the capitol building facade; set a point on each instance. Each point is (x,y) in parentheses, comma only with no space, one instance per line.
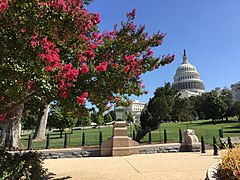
(187,79)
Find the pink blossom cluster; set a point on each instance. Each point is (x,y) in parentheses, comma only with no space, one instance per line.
(80,98)
(3,5)
(66,76)
(3,117)
(102,67)
(133,64)
(51,55)
(84,20)
(29,85)
(68,72)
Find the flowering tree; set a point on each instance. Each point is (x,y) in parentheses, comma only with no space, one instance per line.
(52,49)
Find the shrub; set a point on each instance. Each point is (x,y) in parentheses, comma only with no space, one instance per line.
(229,168)
(21,165)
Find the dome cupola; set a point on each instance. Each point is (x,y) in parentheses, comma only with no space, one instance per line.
(187,79)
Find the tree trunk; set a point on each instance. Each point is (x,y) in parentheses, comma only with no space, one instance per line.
(61,133)
(39,134)
(10,129)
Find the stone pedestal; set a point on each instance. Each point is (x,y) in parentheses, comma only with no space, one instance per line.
(120,144)
(191,142)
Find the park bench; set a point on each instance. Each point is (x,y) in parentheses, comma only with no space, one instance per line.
(225,142)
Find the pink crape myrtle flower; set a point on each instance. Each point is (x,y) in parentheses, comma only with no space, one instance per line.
(81,58)
(84,69)
(103,67)
(33,43)
(80,99)
(115,65)
(3,5)
(85,94)
(64,94)
(90,54)
(3,117)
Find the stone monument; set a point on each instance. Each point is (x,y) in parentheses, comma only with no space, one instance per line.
(120,144)
(191,142)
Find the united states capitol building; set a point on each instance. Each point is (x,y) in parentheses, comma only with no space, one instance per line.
(187,79)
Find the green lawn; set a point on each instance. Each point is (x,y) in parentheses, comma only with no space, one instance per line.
(201,127)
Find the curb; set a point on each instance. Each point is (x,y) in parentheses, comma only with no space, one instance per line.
(212,173)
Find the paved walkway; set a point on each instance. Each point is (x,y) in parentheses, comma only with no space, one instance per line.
(162,166)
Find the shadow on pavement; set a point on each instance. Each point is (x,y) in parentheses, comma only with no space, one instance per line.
(51,175)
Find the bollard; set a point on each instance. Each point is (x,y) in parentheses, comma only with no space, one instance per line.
(180,136)
(203,150)
(29,142)
(220,133)
(100,138)
(165,136)
(83,139)
(215,148)
(229,142)
(133,135)
(65,141)
(149,136)
(48,141)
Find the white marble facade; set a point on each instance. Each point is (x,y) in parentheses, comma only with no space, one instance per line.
(187,79)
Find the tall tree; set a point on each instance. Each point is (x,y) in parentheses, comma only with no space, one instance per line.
(236,109)
(183,110)
(61,119)
(40,130)
(227,98)
(130,117)
(53,49)
(215,107)
(108,118)
(159,109)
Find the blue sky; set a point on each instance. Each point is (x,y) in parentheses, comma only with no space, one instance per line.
(209,30)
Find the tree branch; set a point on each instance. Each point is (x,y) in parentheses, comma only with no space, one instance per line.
(24,100)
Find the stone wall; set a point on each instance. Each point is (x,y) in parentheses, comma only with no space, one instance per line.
(95,152)
(70,153)
(169,148)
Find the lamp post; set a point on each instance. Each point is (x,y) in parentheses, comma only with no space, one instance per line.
(119,113)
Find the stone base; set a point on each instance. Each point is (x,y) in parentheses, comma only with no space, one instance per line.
(120,144)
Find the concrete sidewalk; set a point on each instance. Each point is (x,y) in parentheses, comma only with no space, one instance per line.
(162,166)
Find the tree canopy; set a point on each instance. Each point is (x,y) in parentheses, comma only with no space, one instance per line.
(53,50)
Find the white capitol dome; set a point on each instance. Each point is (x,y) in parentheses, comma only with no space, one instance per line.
(187,79)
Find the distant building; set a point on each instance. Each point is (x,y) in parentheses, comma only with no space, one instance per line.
(236,91)
(136,108)
(187,79)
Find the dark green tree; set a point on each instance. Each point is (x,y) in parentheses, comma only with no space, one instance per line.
(236,109)
(130,117)
(183,110)
(113,115)
(108,118)
(61,119)
(159,109)
(199,105)
(227,98)
(84,120)
(215,107)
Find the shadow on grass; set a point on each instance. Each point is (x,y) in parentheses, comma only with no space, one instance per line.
(208,122)
(234,131)
(51,175)
(232,127)
(58,137)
